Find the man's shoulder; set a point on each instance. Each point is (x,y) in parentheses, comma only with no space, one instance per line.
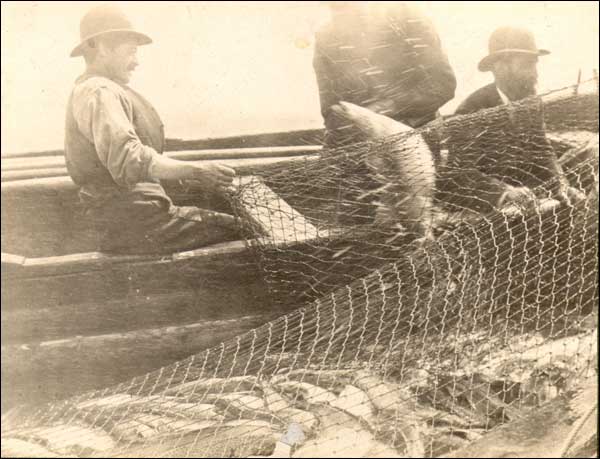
(485,97)
(88,85)
(325,32)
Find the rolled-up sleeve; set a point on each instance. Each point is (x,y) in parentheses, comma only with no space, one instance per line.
(104,117)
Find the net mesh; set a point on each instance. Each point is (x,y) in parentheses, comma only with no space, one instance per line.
(433,306)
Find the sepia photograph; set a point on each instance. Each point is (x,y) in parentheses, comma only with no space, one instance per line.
(299,229)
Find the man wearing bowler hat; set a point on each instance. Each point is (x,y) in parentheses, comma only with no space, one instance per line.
(512,59)
(114,141)
(504,157)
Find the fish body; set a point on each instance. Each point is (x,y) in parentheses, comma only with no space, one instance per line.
(215,385)
(239,438)
(357,403)
(70,439)
(305,392)
(403,164)
(373,125)
(341,435)
(14,447)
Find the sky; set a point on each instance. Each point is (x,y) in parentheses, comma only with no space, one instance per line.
(234,68)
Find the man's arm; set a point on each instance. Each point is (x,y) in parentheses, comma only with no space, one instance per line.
(324,74)
(430,81)
(104,118)
(207,176)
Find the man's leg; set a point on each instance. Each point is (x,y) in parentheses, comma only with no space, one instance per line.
(191,227)
(152,227)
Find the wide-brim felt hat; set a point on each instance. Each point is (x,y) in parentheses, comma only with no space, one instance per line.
(506,41)
(106,19)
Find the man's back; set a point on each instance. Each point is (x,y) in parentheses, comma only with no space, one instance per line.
(388,59)
(94,136)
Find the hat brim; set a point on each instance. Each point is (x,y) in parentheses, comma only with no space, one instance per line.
(142,39)
(485,64)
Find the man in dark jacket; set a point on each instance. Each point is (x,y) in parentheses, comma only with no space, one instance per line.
(512,59)
(387,58)
(113,144)
(503,156)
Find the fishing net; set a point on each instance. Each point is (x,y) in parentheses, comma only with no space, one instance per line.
(433,309)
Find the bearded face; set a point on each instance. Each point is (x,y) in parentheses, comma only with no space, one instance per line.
(517,76)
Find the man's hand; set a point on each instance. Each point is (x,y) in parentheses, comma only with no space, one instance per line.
(206,175)
(518,195)
(570,195)
(211,176)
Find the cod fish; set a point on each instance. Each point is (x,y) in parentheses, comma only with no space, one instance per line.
(305,392)
(14,447)
(283,410)
(70,439)
(215,385)
(239,438)
(404,166)
(340,435)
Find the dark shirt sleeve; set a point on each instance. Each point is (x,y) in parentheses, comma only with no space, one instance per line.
(104,117)
(323,72)
(432,82)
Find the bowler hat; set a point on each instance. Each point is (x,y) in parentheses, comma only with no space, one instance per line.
(509,40)
(106,19)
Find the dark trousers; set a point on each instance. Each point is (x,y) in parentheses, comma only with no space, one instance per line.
(136,225)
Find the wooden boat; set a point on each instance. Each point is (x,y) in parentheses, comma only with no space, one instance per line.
(74,319)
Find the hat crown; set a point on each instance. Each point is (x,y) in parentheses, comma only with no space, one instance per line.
(106,19)
(102,19)
(512,38)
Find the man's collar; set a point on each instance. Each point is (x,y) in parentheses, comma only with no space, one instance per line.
(504,97)
(89,73)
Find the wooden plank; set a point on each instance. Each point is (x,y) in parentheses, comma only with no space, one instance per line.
(58,162)
(138,308)
(238,153)
(286,138)
(9,259)
(41,372)
(125,282)
(262,140)
(12,264)
(39,185)
(32,154)
(41,162)
(58,177)
(12,175)
(75,342)
(280,223)
(78,262)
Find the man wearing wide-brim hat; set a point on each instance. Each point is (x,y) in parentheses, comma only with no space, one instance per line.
(512,59)
(114,141)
